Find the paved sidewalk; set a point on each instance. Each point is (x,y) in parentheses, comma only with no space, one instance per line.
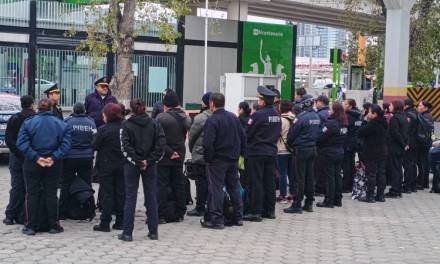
(400,231)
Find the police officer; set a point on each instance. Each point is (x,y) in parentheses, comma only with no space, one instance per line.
(96,101)
(53,94)
(409,158)
(303,135)
(15,209)
(351,145)
(322,109)
(142,142)
(78,161)
(223,143)
(262,137)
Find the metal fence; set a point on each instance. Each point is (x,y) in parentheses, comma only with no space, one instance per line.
(152,74)
(64,16)
(13,70)
(71,70)
(14,13)
(55,15)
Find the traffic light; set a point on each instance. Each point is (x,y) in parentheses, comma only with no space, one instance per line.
(341,56)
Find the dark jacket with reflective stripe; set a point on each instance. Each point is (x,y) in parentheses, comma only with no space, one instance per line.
(82,129)
(305,130)
(142,138)
(263,132)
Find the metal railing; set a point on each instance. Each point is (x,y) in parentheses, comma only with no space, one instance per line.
(143,66)
(14,13)
(55,15)
(64,16)
(71,70)
(13,73)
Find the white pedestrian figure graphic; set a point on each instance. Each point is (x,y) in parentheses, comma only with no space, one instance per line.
(266,62)
(279,72)
(254,67)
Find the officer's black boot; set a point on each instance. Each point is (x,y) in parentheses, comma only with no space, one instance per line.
(125,237)
(295,208)
(325,204)
(196,212)
(252,218)
(308,206)
(338,202)
(269,215)
(368,199)
(102,227)
(8,221)
(118,223)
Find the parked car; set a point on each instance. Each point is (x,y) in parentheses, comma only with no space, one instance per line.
(7,85)
(9,105)
(43,84)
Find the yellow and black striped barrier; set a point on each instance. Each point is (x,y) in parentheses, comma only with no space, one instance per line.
(431,95)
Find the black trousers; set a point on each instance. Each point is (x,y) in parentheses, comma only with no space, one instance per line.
(410,170)
(375,172)
(332,172)
(262,193)
(422,153)
(149,183)
(305,176)
(73,168)
(221,174)
(396,164)
(112,186)
(201,180)
(15,207)
(320,178)
(171,185)
(436,179)
(348,167)
(41,183)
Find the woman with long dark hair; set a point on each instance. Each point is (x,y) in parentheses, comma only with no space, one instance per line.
(397,145)
(332,145)
(244,113)
(142,142)
(373,132)
(109,164)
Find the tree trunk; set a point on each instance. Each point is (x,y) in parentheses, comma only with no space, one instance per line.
(122,81)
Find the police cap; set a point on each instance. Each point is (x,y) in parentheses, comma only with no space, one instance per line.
(263,91)
(102,81)
(53,89)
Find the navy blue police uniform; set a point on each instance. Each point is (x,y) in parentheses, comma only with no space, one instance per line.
(351,146)
(331,144)
(261,154)
(223,143)
(302,136)
(78,161)
(320,179)
(56,108)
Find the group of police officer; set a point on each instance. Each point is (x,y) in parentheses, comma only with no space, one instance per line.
(219,141)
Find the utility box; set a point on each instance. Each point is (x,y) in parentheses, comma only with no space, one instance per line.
(239,87)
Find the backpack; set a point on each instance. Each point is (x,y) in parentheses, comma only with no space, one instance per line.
(81,202)
(423,132)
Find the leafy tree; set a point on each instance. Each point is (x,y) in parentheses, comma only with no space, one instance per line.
(114,27)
